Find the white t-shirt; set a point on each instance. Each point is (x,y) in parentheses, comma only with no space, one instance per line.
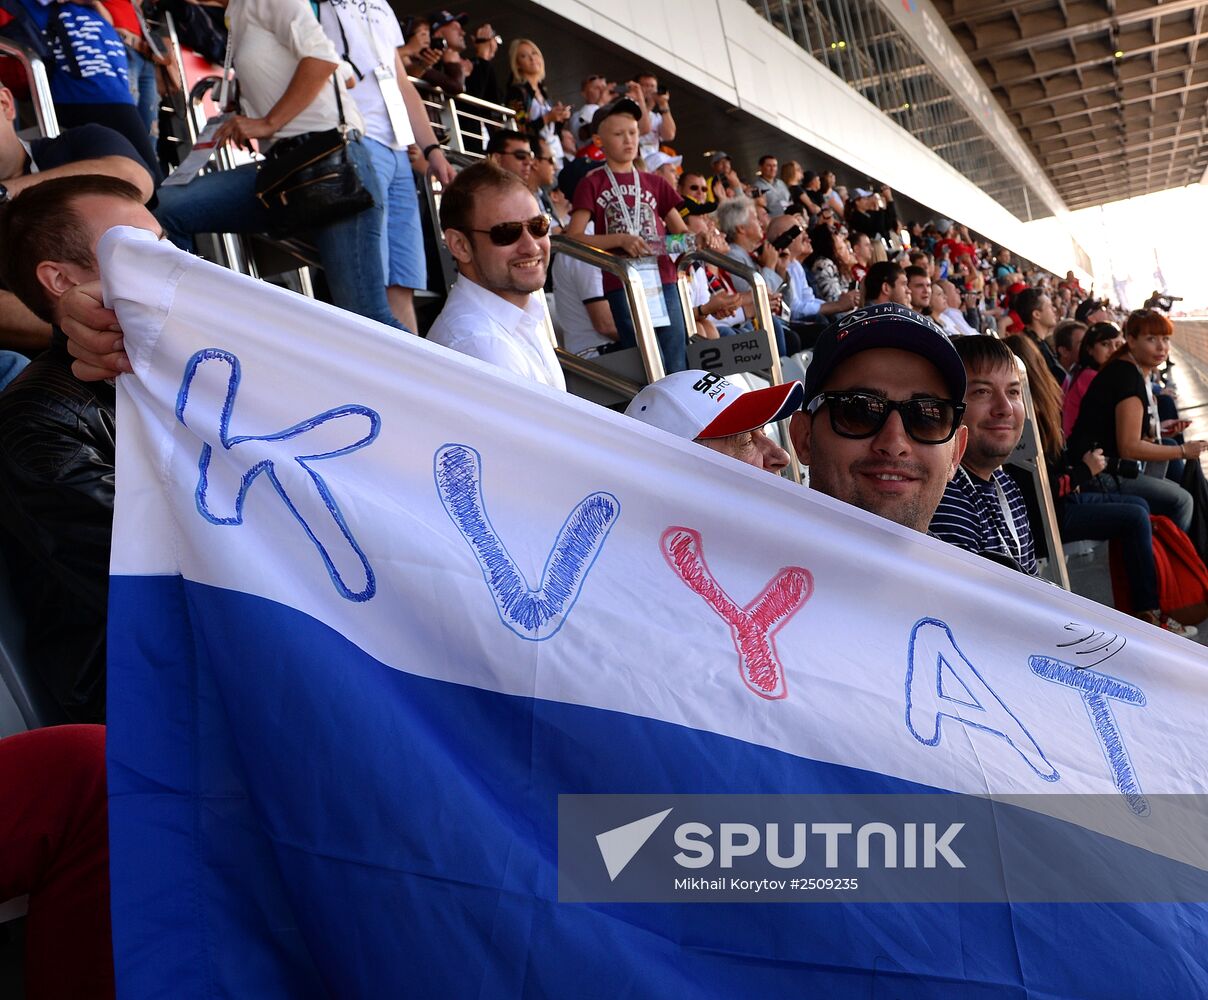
(960,325)
(271,38)
(582,118)
(576,283)
(372,33)
(477,322)
(650,141)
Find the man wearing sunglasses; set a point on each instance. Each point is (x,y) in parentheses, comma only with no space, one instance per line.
(500,240)
(881,425)
(693,187)
(512,152)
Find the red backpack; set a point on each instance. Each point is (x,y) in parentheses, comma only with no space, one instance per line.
(1182,576)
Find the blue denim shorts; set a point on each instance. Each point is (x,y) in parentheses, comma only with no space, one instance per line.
(402,240)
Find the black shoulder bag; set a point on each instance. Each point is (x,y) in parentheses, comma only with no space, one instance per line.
(309,181)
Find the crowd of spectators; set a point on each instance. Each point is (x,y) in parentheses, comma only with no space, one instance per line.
(606,173)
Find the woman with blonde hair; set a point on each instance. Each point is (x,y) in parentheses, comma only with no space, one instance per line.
(528,98)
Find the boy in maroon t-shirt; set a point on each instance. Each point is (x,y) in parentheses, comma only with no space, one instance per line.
(633,213)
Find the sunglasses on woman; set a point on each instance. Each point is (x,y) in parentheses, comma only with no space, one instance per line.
(859,415)
(504,234)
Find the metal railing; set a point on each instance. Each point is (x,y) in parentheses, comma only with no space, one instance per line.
(1029,456)
(762,318)
(734,354)
(463,124)
(39,86)
(624,270)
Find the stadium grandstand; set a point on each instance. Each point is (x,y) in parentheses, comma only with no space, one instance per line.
(658,208)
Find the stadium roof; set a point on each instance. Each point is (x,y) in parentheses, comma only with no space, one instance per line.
(1110,95)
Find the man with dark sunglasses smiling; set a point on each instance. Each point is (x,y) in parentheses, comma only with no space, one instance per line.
(512,152)
(500,240)
(881,424)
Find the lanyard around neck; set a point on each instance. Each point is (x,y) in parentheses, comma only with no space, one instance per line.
(1015,552)
(632,222)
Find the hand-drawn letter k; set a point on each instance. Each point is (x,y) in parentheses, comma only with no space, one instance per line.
(230,464)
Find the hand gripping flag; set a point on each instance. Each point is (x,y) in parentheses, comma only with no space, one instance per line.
(376,606)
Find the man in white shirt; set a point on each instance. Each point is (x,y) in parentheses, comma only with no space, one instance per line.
(661,126)
(499,237)
(952,311)
(596,91)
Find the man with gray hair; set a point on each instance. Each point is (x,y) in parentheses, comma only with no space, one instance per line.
(737,221)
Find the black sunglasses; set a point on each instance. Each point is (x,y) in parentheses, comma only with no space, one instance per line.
(506,233)
(520,154)
(860,415)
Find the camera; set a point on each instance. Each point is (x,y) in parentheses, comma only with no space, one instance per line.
(1124,468)
(782,241)
(439,44)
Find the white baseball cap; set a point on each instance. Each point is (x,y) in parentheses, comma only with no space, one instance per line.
(697,404)
(658,158)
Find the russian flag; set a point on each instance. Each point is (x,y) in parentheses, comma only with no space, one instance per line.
(375,606)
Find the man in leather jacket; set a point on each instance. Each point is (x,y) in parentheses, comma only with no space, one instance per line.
(57,442)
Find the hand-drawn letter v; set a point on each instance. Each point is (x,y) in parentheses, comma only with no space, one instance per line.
(531,614)
(205,404)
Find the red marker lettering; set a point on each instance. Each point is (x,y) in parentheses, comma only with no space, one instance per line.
(753,626)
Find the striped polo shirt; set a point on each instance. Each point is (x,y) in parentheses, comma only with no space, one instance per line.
(973,514)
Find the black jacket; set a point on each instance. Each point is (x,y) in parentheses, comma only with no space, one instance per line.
(56,512)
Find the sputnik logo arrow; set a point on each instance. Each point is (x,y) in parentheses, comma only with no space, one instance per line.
(619,845)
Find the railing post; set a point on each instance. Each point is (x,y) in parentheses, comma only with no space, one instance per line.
(39,86)
(1038,467)
(762,319)
(635,294)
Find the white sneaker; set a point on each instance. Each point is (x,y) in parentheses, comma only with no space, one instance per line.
(1178,628)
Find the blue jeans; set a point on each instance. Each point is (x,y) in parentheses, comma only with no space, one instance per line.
(403,258)
(225,202)
(1103,516)
(673,339)
(11,365)
(143,87)
(1166,499)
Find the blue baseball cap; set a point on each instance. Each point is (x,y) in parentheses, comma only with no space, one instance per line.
(884,325)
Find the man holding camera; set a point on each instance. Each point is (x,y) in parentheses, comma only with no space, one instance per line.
(874,213)
(481,80)
(792,246)
(658,104)
(982,509)
(448,34)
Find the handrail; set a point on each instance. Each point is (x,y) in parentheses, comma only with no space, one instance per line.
(601,376)
(39,86)
(452,108)
(635,293)
(763,321)
(499,109)
(1040,480)
(759,292)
